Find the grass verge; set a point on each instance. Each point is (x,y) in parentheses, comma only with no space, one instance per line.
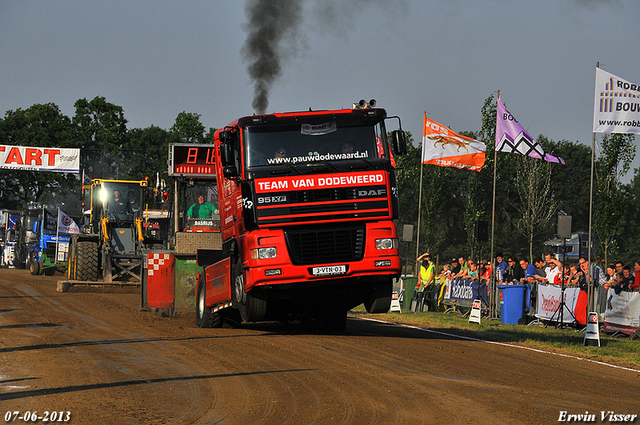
(621,351)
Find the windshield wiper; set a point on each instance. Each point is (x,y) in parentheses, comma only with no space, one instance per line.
(324,162)
(290,166)
(366,161)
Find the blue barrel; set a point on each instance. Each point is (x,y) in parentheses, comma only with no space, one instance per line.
(512,303)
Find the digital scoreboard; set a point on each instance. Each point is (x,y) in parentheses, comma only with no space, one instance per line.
(196,160)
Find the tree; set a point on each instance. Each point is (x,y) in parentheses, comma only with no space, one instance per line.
(41,125)
(570,182)
(629,245)
(147,152)
(505,236)
(101,132)
(408,173)
(618,151)
(537,205)
(188,128)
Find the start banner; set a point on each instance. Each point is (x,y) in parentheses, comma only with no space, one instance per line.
(59,160)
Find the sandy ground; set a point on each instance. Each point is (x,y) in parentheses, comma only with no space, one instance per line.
(95,354)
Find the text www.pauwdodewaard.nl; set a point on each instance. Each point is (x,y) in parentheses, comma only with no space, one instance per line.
(318,157)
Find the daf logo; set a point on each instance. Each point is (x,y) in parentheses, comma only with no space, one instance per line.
(371,193)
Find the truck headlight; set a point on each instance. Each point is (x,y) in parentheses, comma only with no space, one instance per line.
(261,253)
(387,243)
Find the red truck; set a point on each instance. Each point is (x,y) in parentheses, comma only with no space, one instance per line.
(306,202)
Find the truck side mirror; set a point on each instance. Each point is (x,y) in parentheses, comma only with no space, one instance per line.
(224,136)
(399,141)
(230,172)
(226,154)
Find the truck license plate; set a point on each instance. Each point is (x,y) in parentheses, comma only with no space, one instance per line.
(328,270)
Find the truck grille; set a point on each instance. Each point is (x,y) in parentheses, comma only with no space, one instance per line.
(329,245)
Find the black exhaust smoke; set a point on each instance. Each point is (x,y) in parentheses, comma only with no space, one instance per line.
(273,28)
(273,33)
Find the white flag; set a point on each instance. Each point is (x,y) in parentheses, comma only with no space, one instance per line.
(617,105)
(66,224)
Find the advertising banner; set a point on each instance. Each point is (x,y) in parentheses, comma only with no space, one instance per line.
(463,292)
(617,105)
(549,301)
(40,159)
(623,312)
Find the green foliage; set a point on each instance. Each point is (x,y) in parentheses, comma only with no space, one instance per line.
(570,183)
(629,241)
(108,149)
(188,128)
(618,151)
(453,200)
(146,153)
(535,202)
(101,132)
(41,125)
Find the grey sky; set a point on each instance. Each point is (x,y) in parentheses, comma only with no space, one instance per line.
(158,58)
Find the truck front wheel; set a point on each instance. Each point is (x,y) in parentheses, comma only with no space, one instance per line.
(379,299)
(205,317)
(251,309)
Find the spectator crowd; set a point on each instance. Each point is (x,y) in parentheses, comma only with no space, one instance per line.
(511,270)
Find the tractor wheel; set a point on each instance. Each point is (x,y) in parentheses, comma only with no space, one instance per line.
(34,267)
(252,309)
(205,318)
(379,300)
(87,261)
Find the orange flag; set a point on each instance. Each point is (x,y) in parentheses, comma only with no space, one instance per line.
(443,147)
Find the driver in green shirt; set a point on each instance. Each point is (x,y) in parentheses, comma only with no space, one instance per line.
(202,209)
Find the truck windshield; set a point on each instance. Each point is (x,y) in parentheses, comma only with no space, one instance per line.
(311,143)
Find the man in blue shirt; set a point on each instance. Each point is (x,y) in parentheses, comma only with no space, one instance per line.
(500,262)
(531,274)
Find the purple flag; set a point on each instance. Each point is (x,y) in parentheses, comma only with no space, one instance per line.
(513,138)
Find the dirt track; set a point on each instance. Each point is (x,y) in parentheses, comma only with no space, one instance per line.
(97,356)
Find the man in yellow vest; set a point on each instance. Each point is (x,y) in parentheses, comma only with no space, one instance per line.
(427,271)
(426,277)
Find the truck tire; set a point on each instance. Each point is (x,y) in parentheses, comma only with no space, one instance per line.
(336,320)
(87,261)
(205,317)
(251,309)
(379,300)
